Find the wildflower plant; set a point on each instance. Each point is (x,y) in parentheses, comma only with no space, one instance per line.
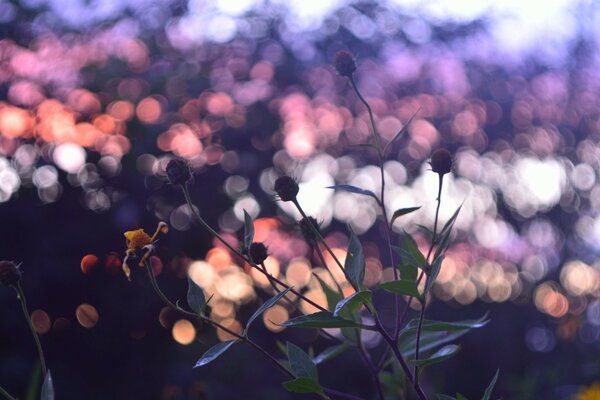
(410,345)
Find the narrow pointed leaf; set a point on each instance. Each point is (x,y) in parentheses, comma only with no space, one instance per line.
(303,385)
(353,302)
(266,305)
(354,189)
(301,364)
(488,392)
(429,341)
(330,353)
(400,132)
(450,223)
(435,270)
(332,296)
(410,253)
(320,319)
(248,230)
(195,297)
(401,212)
(214,352)
(407,288)
(438,326)
(442,354)
(355,262)
(48,388)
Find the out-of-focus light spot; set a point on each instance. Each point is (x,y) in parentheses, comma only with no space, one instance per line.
(87,316)
(183,332)
(235,186)
(157,265)
(61,325)
(165,317)
(45,177)
(579,278)
(181,218)
(222,309)
(317,296)
(373,272)
(583,177)
(247,203)
(109,165)
(41,321)
(298,273)
(219,258)
(69,157)
(146,164)
(149,110)
(89,263)
(9,181)
(593,313)
(113,264)
(233,325)
(549,300)
(236,286)
(273,268)
(274,317)
(121,110)
(15,122)
(540,339)
(202,273)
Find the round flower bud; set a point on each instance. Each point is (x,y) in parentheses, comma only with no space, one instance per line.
(307,232)
(258,253)
(344,63)
(178,172)
(10,274)
(286,188)
(441,161)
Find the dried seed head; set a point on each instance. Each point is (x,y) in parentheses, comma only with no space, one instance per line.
(258,253)
(178,172)
(10,274)
(441,161)
(307,232)
(286,188)
(344,63)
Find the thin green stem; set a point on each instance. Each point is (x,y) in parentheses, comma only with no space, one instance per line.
(206,226)
(36,338)
(431,246)
(5,394)
(324,263)
(322,240)
(366,104)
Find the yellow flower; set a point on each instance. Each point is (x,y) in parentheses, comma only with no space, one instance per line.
(136,240)
(590,393)
(139,240)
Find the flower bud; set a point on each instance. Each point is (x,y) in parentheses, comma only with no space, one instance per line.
(286,188)
(258,253)
(344,63)
(178,172)
(441,161)
(307,232)
(10,274)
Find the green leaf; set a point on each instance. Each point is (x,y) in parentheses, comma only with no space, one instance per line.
(354,189)
(301,364)
(265,306)
(445,232)
(214,352)
(321,319)
(195,297)
(460,397)
(332,296)
(444,397)
(442,354)
(429,341)
(353,302)
(408,288)
(48,388)
(490,388)
(435,270)
(401,212)
(408,272)
(330,353)
(248,230)
(303,385)
(355,262)
(437,326)
(410,253)
(400,132)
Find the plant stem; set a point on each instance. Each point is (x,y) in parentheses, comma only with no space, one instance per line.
(372,369)
(362,99)
(36,338)
(6,395)
(424,304)
(322,240)
(239,337)
(322,259)
(206,226)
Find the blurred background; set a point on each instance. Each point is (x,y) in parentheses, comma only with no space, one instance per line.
(96,97)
